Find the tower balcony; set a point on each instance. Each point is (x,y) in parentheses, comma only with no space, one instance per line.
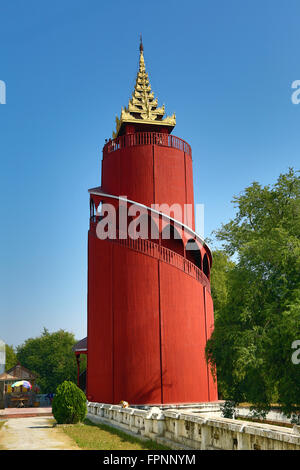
(146,138)
(156,250)
(166,255)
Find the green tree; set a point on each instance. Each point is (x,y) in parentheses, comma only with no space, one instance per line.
(11,358)
(260,318)
(50,356)
(221,267)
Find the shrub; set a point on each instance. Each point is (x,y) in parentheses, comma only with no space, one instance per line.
(228,409)
(69,404)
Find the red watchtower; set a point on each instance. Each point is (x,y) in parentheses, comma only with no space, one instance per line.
(150,310)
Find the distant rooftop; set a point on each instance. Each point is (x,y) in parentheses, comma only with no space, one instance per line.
(81,345)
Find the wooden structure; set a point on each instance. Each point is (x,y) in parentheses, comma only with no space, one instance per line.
(19,396)
(150,310)
(79,349)
(22,373)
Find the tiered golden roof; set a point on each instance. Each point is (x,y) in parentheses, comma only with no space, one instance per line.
(143,107)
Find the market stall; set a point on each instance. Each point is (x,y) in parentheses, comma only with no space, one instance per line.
(21,392)
(20,395)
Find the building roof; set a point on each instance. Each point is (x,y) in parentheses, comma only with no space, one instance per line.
(6,377)
(22,372)
(143,107)
(81,345)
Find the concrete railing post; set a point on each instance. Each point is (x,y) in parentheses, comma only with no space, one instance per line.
(243,441)
(205,436)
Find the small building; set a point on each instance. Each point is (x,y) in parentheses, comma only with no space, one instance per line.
(18,396)
(80,348)
(22,373)
(8,380)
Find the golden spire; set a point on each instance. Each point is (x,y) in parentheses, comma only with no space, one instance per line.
(143,107)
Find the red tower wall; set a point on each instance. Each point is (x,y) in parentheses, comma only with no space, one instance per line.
(150,311)
(147,329)
(100,326)
(150,174)
(183,337)
(209,329)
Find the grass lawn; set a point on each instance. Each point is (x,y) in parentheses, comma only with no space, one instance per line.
(90,436)
(2,424)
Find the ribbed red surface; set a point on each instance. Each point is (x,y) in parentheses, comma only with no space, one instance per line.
(149,306)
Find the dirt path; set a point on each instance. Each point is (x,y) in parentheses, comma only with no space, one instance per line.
(34,434)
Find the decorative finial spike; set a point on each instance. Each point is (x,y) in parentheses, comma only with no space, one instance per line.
(141,43)
(143,107)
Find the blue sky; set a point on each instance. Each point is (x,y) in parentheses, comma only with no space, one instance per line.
(225,68)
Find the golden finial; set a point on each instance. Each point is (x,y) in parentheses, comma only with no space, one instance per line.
(141,44)
(143,107)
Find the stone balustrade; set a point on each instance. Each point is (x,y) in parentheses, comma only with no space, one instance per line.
(199,427)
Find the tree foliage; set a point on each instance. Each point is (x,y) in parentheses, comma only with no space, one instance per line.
(50,356)
(259,316)
(69,404)
(11,358)
(221,267)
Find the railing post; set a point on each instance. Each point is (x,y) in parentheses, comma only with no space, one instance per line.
(146,138)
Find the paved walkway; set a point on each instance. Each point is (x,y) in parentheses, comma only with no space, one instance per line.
(25,412)
(35,433)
